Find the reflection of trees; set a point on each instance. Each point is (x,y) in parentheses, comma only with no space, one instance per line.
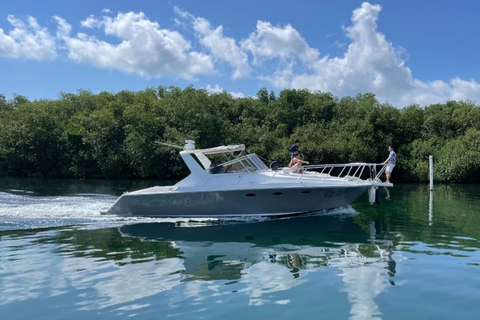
(221,251)
(233,247)
(405,217)
(110,245)
(127,264)
(218,270)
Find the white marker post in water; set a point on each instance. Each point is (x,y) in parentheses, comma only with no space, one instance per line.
(430,203)
(430,161)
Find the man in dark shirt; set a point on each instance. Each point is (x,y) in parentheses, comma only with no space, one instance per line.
(294,148)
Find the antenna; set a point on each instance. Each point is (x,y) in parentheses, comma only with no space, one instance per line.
(189,145)
(168,145)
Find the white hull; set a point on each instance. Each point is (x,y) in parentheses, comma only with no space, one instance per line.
(263,202)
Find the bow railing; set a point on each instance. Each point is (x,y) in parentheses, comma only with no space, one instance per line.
(367,172)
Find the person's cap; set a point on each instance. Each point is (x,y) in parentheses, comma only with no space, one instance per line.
(297,141)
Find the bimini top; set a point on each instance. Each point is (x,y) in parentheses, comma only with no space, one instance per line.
(190,150)
(221,149)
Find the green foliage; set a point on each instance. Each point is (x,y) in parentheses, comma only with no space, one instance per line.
(459,159)
(114,135)
(32,141)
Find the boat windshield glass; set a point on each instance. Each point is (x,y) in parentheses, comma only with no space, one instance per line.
(248,163)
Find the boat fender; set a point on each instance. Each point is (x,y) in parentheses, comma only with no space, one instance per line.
(371,195)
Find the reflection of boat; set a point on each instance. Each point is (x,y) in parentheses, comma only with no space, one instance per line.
(225,251)
(312,230)
(276,255)
(159,265)
(244,185)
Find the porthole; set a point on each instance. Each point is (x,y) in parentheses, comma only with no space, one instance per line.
(250,195)
(305,192)
(277,193)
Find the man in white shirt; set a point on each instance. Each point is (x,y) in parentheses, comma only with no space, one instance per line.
(390,162)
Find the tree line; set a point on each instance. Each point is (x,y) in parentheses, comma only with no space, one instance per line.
(113,135)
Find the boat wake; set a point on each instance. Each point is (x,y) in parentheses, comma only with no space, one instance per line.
(203,222)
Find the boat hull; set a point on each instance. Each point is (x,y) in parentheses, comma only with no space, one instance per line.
(260,202)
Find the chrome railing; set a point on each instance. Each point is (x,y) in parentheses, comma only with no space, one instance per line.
(366,172)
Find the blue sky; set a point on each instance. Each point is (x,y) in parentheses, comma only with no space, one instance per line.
(403,51)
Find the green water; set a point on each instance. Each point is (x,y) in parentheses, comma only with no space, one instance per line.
(60,260)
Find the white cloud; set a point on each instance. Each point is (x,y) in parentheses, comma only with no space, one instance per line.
(215,89)
(218,89)
(145,49)
(275,42)
(27,41)
(222,48)
(63,28)
(182,14)
(370,64)
(276,54)
(90,22)
(462,88)
(237,95)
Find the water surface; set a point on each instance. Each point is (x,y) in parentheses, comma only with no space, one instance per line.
(409,257)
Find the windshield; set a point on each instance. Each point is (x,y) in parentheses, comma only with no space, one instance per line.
(248,163)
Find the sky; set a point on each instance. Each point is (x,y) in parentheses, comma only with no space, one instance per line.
(405,52)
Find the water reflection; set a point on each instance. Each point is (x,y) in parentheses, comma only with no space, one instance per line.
(357,263)
(430,208)
(265,262)
(132,267)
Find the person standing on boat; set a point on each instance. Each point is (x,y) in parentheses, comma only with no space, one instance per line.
(390,162)
(294,148)
(296,163)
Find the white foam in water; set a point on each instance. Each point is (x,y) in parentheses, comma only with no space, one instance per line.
(48,207)
(31,211)
(25,211)
(347,210)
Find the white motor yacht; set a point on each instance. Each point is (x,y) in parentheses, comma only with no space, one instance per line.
(244,185)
